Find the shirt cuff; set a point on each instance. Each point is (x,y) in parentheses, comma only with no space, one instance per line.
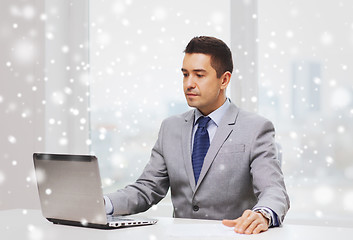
(109,209)
(274,217)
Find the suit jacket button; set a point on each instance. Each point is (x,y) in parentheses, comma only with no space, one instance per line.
(195,208)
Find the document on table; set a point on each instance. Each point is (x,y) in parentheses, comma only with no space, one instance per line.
(200,230)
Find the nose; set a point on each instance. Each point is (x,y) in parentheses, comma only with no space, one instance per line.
(189,83)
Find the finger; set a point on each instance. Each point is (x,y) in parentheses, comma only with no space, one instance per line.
(260,228)
(229,223)
(247,213)
(245,221)
(252,227)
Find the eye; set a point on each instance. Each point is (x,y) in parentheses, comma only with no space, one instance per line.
(199,75)
(185,74)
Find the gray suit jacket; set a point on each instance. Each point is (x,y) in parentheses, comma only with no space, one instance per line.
(240,171)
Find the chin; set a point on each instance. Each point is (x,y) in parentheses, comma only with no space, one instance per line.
(191,103)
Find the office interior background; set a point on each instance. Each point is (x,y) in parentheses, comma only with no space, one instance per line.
(99,76)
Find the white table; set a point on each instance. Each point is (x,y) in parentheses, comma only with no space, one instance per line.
(29,224)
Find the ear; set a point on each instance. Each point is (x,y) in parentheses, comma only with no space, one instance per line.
(225,79)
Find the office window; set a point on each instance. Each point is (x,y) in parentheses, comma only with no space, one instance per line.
(305,51)
(299,65)
(136,53)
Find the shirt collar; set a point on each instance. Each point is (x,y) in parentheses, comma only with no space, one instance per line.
(217,115)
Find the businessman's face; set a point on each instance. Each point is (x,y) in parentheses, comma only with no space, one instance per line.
(203,90)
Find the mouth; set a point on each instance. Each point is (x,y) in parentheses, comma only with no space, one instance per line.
(190,94)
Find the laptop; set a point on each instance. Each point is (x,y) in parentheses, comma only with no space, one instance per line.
(70,192)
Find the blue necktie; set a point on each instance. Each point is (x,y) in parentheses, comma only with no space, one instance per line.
(201,145)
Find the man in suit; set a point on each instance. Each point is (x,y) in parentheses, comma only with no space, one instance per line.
(219,161)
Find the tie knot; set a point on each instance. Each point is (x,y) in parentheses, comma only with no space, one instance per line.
(203,121)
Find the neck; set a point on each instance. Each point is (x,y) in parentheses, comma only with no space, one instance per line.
(219,103)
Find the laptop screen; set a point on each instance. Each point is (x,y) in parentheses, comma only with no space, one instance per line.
(70,187)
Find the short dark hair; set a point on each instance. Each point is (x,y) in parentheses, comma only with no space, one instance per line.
(221,56)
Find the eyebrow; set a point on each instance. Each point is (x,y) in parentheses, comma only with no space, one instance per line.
(194,70)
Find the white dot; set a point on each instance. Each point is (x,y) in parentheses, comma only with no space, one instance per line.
(293,135)
(317,80)
(58,98)
(49,35)
(125,22)
(2,177)
(63,141)
(102,136)
(8,64)
(15,25)
(43,17)
(84,222)
(289,34)
(30,227)
(272,45)
(12,139)
(326,39)
(48,191)
(24,51)
(333,83)
(68,91)
(341,129)
(152,237)
(65,49)
(347,201)
(28,12)
(159,14)
(74,111)
(329,160)
(108,181)
(324,195)
(318,213)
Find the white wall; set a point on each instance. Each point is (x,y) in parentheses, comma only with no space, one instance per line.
(21,93)
(43,93)
(43,104)
(244,24)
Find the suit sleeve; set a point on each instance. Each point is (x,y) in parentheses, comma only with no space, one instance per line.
(268,182)
(149,188)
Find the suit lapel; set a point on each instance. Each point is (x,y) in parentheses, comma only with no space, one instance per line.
(225,128)
(186,142)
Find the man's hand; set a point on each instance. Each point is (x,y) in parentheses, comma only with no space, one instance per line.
(249,223)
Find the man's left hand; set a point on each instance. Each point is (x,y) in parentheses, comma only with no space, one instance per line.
(249,223)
